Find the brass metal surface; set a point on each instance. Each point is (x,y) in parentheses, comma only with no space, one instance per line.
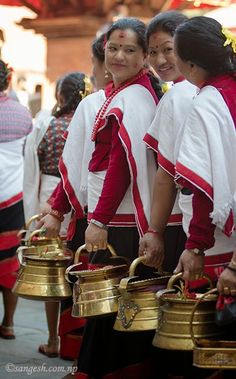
(175,309)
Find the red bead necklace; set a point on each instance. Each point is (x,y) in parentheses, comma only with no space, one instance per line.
(100,115)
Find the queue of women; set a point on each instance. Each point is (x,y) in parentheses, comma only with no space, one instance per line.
(153,174)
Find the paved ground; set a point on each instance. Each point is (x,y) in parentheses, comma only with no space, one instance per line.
(19,358)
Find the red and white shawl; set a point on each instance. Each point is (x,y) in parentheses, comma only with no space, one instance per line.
(134,108)
(165,129)
(206,155)
(78,150)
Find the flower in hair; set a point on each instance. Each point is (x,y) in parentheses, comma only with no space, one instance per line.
(88,88)
(9,71)
(230,39)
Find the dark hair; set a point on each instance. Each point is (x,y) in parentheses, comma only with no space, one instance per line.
(130,23)
(73,89)
(166,22)
(200,40)
(5,76)
(98,47)
(140,29)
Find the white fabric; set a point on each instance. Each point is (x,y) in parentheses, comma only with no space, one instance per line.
(141,160)
(95,185)
(31,183)
(166,126)
(79,147)
(208,149)
(11,169)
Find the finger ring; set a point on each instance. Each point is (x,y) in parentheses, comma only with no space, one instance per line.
(226,290)
(95,247)
(43,230)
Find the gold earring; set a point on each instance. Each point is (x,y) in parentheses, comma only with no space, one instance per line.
(106,74)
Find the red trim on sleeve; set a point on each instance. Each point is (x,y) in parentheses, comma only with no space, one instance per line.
(151,142)
(194,178)
(166,164)
(142,222)
(70,191)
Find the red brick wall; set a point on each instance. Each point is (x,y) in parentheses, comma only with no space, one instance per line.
(68,54)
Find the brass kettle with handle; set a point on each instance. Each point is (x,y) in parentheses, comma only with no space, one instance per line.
(138,305)
(175,309)
(212,353)
(95,292)
(42,271)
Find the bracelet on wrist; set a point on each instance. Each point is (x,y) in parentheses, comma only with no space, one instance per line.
(58,215)
(196,251)
(231,268)
(99,224)
(153,231)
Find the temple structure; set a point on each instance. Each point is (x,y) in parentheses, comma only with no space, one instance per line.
(70,26)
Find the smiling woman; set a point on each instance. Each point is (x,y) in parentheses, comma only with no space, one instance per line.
(119,193)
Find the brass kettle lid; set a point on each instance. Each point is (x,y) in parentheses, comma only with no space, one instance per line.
(44,253)
(133,282)
(105,272)
(178,293)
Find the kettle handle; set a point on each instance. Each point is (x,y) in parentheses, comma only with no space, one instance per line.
(19,253)
(68,271)
(175,277)
(33,218)
(135,263)
(211,291)
(39,232)
(83,247)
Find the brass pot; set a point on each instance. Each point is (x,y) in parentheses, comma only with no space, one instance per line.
(42,273)
(138,305)
(212,353)
(175,309)
(95,292)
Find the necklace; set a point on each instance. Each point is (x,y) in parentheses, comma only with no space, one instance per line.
(99,119)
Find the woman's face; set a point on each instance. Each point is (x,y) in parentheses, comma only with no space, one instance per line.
(124,58)
(161,56)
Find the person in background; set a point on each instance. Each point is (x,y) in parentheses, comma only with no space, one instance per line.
(22,92)
(15,125)
(49,139)
(35,100)
(74,170)
(165,230)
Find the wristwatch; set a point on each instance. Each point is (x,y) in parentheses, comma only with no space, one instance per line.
(99,224)
(197,251)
